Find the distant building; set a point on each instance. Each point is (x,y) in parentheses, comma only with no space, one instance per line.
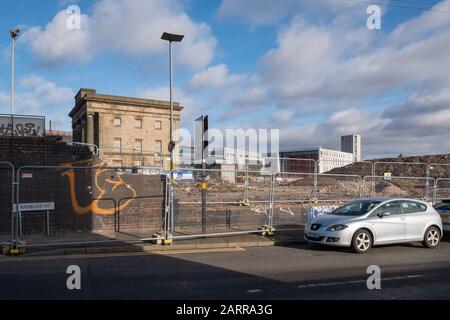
(128,131)
(352,144)
(303,160)
(234,156)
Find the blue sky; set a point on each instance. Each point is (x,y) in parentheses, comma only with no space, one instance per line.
(310,68)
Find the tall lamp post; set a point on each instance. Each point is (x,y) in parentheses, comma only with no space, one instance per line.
(170,37)
(14,34)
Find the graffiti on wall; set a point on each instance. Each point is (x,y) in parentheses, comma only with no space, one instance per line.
(13,126)
(20,130)
(107,182)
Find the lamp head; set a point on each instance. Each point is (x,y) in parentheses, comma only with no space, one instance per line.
(14,33)
(172,37)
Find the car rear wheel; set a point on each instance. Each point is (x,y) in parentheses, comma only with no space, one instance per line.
(432,238)
(362,241)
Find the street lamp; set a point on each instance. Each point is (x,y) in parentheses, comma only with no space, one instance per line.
(170,220)
(171,38)
(14,34)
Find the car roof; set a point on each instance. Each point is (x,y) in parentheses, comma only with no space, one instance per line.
(384,199)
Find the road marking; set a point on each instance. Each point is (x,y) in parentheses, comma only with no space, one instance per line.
(314,285)
(254,291)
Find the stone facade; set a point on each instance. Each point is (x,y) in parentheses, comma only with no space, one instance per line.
(128,131)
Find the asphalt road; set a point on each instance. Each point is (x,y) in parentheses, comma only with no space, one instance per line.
(300,272)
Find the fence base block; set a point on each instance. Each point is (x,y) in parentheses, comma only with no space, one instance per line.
(158,239)
(167,242)
(244,203)
(267,231)
(13,251)
(5,250)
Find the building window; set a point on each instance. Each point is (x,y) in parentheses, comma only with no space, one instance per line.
(138,146)
(117,121)
(117,145)
(138,123)
(158,125)
(158,146)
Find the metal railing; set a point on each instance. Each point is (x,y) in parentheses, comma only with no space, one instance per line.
(94,148)
(105,204)
(7,185)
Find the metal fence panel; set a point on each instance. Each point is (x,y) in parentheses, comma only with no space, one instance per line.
(294,193)
(291,194)
(400,168)
(236,201)
(6,201)
(90,202)
(409,187)
(292,187)
(442,190)
(338,187)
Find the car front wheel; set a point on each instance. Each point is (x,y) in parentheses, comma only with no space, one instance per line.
(432,238)
(362,241)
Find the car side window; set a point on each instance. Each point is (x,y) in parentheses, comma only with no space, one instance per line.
(443,207)
(412,207)
(391,207)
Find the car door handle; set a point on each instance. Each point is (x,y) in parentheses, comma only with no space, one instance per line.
(402,219)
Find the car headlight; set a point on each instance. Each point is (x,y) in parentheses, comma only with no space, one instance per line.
(337,227)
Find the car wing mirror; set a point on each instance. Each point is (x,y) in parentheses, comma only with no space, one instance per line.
(384,214)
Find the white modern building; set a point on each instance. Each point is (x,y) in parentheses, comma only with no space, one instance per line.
(331,159)
(234,156)
(352,144)
(303,160)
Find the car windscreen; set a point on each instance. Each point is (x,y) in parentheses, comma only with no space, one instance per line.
(356,208)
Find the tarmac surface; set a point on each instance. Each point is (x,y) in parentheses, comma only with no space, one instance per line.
(296,271)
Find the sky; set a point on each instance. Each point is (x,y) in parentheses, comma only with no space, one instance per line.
(311,68)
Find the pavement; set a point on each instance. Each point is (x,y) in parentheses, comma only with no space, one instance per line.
(293,235)
(295,271)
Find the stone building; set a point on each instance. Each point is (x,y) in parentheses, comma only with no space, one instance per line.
(127,131)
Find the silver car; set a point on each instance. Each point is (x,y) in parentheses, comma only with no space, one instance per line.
(443,208)
(364,223)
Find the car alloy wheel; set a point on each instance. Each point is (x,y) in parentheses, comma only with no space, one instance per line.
(432,237)
(362,241)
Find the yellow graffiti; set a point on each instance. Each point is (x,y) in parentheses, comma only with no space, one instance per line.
(94,205)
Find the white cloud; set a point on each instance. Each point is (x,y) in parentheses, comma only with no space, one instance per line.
(131,27)
(324,77)
(56,44)
(193,107)
(37,96)
(216,76)
(318,70)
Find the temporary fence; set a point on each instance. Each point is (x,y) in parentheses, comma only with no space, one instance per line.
(219,201)
(86,204)
(441,189)
(439,170)
(392,186)
(73,205)
(400,168)
(6,201)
